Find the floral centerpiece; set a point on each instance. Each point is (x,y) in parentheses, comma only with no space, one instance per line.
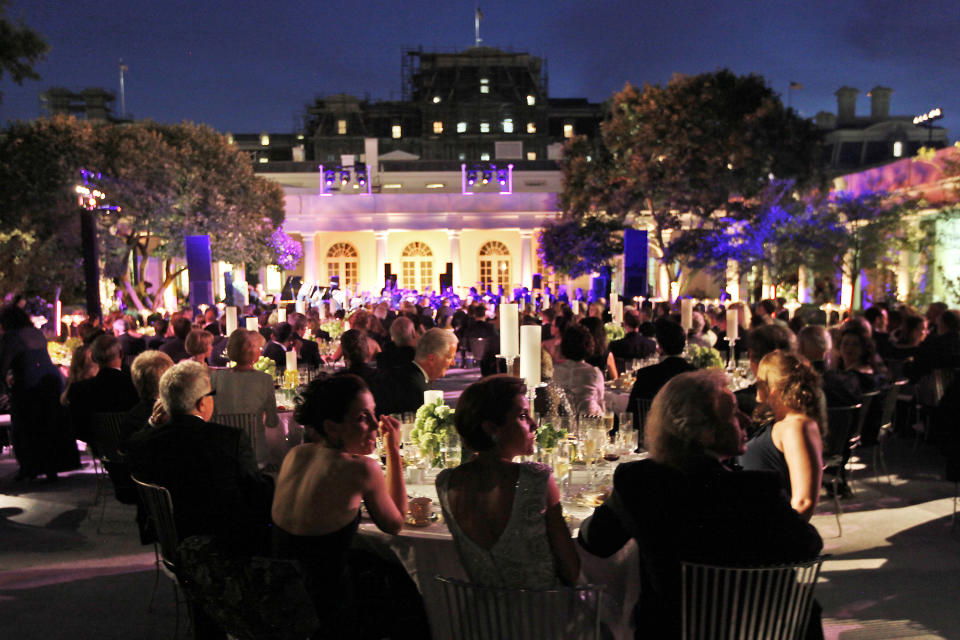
(61,353)
(614,331)
(704,357)
(548,436)
(433,424)
(265,364)
(334,328)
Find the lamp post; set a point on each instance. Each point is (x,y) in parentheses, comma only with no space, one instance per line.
(926,121)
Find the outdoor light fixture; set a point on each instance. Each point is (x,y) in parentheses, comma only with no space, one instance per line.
(344,177)
(358,174)
(477,178)
(471,178)
(487,175)
(927,119)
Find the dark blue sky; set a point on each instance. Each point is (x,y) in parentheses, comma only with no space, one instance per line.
(250,66)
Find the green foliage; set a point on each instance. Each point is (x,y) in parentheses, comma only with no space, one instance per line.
(168,180)
(704,357)
(20,49)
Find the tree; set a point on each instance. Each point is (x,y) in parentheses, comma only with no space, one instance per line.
(690,157)
(168,181)
(20,48)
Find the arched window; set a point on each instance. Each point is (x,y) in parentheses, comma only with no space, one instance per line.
(416,267)
(495,265)
(342,261)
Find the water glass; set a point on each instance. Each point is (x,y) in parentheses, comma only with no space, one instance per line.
(450,451)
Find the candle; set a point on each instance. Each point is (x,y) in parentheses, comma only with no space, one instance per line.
(252,324)
(301,306)
(733,325)
(509,341)
(686,314)
(231,320)
(291,360)
(530,355)
(431,396)
(57,316)
(281,315)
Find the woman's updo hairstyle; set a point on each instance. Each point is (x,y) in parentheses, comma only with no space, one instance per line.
(799,385)
(488,399)
(327,397)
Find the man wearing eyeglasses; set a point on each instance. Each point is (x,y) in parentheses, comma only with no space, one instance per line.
(209,469)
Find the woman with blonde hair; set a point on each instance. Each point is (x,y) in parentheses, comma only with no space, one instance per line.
(791,444)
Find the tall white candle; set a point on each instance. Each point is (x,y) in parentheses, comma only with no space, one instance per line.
(431,396)
(282,314)
(252,324)
(231,320)
(291,360)
(509,337)
(733,325)
(686,313)
(301,306)
(58,316)
(530,354)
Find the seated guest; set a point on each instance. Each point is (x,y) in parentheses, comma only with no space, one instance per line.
(110,391)
(199,345)
(941,351)
(316,509)
(633,345)
(211,320)
(600,357)
(308,351)
(82,367)
(176,347)
(760,341)
(278,344)
(243,389)
(131,343)
(878,318)
(356,352)
(671,340)
(700,334)
(160,328)
(480,497)
(682,504)
(840,388)
(792,444)
(401,388)
(581,382)
(481,339)
(401,347)
(208,468)
(858,355)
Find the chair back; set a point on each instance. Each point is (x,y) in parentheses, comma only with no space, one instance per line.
(106,435)
(640,416)
(773,603)
(159,506)
(890,403)
(841,423)
(247,422)
(476,612)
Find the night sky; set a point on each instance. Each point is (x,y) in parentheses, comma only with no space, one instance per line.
(248,66)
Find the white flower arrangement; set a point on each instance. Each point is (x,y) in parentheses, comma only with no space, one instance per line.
(433,424)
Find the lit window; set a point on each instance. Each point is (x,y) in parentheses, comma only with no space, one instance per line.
(230,139)
(531,155)
(392,185)
(508,125)
(485,157)
(531,101)
(461,156)
(299,136)
(436,99)
(568,131)
(435,185)
(264,140)
(438,127)
(342,127)
(897,149)
(484,127)
(395,131)
(484,85)
(264,159)
(531,127)
(461,127)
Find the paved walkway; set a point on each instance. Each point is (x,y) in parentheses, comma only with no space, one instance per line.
(895,572)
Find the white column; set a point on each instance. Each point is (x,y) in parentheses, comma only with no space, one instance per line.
(309,259)
(846,282)
(904,275)
(663,286)
(526,259)
(381,237)
(803,285)
(455,258)
(733,280)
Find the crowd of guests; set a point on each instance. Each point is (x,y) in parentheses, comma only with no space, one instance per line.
(730,478)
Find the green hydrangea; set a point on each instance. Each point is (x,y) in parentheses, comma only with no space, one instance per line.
(704,357)
(433,423)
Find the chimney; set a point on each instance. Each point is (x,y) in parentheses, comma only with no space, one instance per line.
(880,102)
(846,103)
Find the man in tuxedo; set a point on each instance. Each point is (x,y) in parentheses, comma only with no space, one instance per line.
(131,343)
(308,351)
(278,345)
(401,388)
(402,346)
(110,391)
(209,470)
(671,339)
(176,346)
(633,345)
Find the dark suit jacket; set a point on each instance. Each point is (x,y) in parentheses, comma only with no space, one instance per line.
(936,352)
(394,356)
(110,391)
(276,353)
(633,346)
(399,389)
(704,514)
(309,354)
(176,349)
(212,476)
(132,347)
(487,356)
(651,379)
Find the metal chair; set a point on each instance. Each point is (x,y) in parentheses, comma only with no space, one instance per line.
(773,603)
(159,506)
(248,422)
(842,426)
(476,612)
(106,444)
(887,416)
